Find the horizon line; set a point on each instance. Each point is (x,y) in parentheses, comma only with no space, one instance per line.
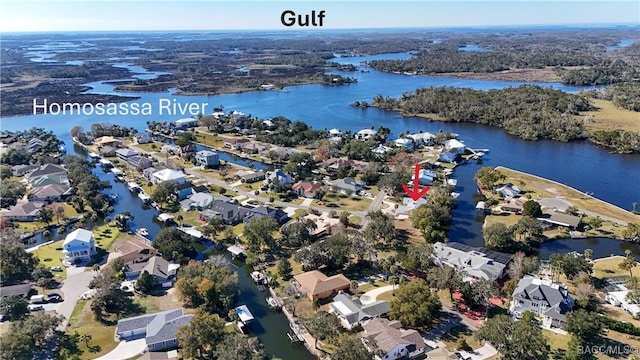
(309,30)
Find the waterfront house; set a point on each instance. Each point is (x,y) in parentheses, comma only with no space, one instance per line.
(381,149)
(352,312)
(425,177)
(125,153)
(169,148)
(183,124)
(616,295)
(509,190)
(158,329)
(318,286)
(404,142)
(21,170)
(142,138)
(107,141)
(235,143)
(365,134)
(389,341)
(78,246)
(556,218)
(50,193)
(306,188)
(230,213)
(277,214)
(168,175)
(512,205)
(471,262)
(107,151)
(422,138)
(162,271)
(139,162)
(48,174)
(23,211)
(548,300)
(347,186)
(408,205)
(135,250)
(452,149)
(207,158)
(197,201)
(146,173)
(35,145)
(184,190)
(250,176)
(254,148)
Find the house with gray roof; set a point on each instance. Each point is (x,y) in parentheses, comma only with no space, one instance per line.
(230,213)
(352,312)
(390,341)
(23,211)
(556,218)
(199,201)
(163,271)
(347,185)
(50,193)
(277,214)
(207,158)
(158,329)
(21,170)
(509,190)
(53,174)
(548,300)
(472,262)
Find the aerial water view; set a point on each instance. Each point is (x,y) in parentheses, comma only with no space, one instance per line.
(356,180)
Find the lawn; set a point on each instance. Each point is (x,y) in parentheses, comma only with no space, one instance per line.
(609,117)
(406,230)
(608,266)
(209,139)
(453,337)
(150,147)
(82,322)
(347,203)
(545,188)
(51,255)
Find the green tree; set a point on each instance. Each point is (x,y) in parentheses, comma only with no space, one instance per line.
(240,347)
(585,326)
(528,229)
(165,193)
(16,264)
(414,304)
(570,265)
(212,286)
(145,282)
(445,277)
(199,339)
(285,269)
(174,245)
(45,215)
(392,182)
(515,340)
(628,263)
(380,229)
(28,338)
(488,176)
(498,236)
(595,222)
(531,208)
(14,307)
(5,172)
(323,326)
(418,257)
(298,233)
(259,231)
(350,347)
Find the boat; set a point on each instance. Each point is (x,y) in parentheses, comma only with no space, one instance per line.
(273,303)
(105,163)
(144,197)
(455,195)
(113,197)
(452,182)
(133,187)
(142,232)
(94,155)
(258,277)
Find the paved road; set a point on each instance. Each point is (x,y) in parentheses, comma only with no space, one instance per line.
(76,283)
(375,205)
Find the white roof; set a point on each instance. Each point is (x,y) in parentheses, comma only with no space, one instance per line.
(186,121)
(191,231)
(235,250)
(453,144)
(168,174)
(367,132)
(165,217)
(421,136)
(244,314)
(79,235)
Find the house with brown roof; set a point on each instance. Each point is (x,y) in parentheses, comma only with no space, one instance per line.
(235,143)
(254,147)
(318,286)
(50,193)
(163,271)
(135,251)
(306,188)
(392,340)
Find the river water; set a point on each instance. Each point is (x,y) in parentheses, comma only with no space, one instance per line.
(610,177)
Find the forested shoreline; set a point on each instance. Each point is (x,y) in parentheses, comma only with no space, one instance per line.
(528,111)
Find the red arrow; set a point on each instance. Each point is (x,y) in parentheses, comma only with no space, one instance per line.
(416,193)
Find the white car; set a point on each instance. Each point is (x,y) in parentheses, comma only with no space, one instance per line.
(56,268)
(36,307)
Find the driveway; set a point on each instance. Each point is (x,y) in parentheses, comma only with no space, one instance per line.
(76,283)
(125,350)
(484,352)
(371,295)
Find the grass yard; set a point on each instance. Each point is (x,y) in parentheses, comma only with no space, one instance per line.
(209,139)
(150,147)
(608,266)
(547,189)
(406,229)
(609,117)
(82,322)
(347,203)
(453,338)
(51,255)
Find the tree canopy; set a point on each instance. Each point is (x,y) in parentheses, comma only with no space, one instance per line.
(515,340)
(414,305)
(174,245)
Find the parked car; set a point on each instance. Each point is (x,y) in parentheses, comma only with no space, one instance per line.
(56,268)
(36,307)
(54,298)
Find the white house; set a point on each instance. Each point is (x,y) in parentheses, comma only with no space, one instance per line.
(78,246)
(366,134)
(617,295)
(423,138)
(404,142)
(142,138)
(335,132)
(186,123)
(452,148)
(279,175)
(168,175)
(548,300)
